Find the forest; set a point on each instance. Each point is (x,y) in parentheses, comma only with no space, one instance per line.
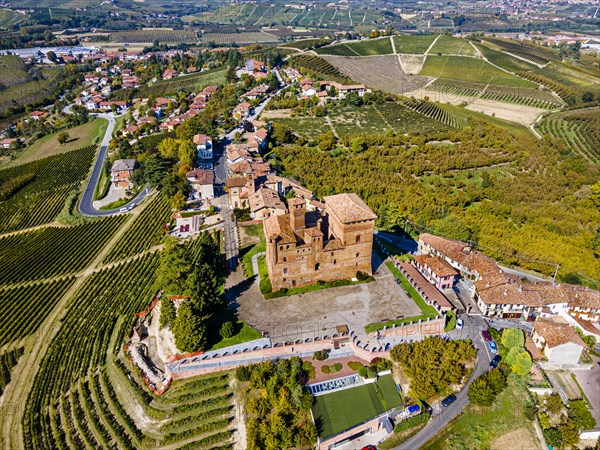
(525,201)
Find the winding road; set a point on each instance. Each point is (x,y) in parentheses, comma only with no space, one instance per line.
(86,205)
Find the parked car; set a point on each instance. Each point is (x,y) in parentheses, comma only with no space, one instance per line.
(486,335)
(495,361)
(448,400)
(460,324)
(123,209)
(369,447)
(493,347)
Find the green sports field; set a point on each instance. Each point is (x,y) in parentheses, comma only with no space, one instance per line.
(345,409)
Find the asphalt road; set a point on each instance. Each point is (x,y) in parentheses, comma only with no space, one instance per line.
(86,206)
(442,416)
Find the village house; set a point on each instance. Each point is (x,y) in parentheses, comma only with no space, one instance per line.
(344,90)
(38,115)
(204,146)
(131,130)
(252,65)
(242,111)
(559,342)
(120,173)
(8,142)
(169,74)
(236,192)
(237,153)
(108,105)
(202,183)
(307,247)
(437,271)
(264,203)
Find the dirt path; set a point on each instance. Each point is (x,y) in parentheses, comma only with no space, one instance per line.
(17,392)
(333,130)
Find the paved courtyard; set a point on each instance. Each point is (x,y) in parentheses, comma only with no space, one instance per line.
(318,313)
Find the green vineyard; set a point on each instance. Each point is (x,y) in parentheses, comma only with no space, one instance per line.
(23,308)
(149,36)
(54,251)
(84,393)
(319,68)
(435,112)
(145,231)
(579,129)
(533,59)
(8,360)
(42,198)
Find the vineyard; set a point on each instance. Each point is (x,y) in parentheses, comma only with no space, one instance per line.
(448,45)
(533,59)
(8,360)
(9,18)
(146,230)
(319,68)
(381,46)
(579,129)
(97,399)
(567,93)
(521,48)
(435,112)
(24,307)
(250,37)
(54,251)
(151,142)
(42,198)
(517,95)
(417,44)
(503,59)
(12,71)
(164,36)
(31,91)
(188,83)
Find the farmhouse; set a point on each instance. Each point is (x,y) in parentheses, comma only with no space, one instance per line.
(38,115)
(306,247)
(242,110)
(559,342)
(238,196)
(120,173)
(204,146)
(7,143)
(201,183)
(437,271)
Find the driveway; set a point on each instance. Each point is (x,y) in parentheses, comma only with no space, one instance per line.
(589,380)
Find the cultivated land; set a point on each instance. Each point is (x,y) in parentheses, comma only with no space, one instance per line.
(80,136)
(378,72)
(340,410)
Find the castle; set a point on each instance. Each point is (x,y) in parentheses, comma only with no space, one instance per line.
(306,247)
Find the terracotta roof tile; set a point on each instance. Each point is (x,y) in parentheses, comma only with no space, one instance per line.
(279,229)
(556,334)
(348,208)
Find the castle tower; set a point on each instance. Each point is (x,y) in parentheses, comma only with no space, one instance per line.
(297,208)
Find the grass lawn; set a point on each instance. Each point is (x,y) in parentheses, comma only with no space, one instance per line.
(80,136)
(470,70)
(478,426)
(417,44)
(250,251)
(427,310)
(344,409)
(246,333)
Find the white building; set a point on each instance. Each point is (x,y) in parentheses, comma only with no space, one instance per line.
(204,146)
(559,342)
(201,182)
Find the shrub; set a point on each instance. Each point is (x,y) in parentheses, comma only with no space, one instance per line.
(411,422)
(362,372)
(361,276)
(355,365)
(371,373)
(320,355)
(326,369)
(450,321)
(581,415)
(309,369)
(483,390)
(337,367)
(227,330)
(242,373)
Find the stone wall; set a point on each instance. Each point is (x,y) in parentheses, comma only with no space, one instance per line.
(432,326)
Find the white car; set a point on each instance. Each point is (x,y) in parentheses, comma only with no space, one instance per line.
(123,209)
(460,324)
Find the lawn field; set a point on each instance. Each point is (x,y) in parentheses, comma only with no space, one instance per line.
(471,70)
(338,411)
(81,136)
(187,83)
(416,44)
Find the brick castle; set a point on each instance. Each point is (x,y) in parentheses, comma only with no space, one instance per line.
(306,247)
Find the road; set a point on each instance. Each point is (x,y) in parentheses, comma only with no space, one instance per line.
(85,206)
(441,417)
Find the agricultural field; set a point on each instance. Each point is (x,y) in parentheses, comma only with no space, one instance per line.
(347,121)
(448,45)
(389,76)
(42,188)
(31,91)
(415,44)
(250,37)
(8,360)
(164,36)
(306,44)
(318,68)
(379,46)
(9,18)
(579,129)
(471,70)
(33,255)
(80,136)
(503,59)
(146,231)
(12,71)
(188,83)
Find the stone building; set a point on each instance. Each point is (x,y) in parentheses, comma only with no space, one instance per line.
(306,247)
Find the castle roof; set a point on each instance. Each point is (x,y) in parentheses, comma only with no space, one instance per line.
(279,229)
(265,198)
(349,208)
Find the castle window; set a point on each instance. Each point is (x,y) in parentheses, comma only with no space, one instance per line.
(335,261)
(357,255)
(284,259)
(358,238)
(317,266)
(285,270)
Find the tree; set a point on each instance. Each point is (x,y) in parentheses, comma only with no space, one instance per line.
(52,57)
(587,97)
(553,437)
(282,134)
(581,415)
(484,390)
(227,330)
(519,360)
(169,148)
(554,403)
(569,432)
(63,137)
(178,201)
(174,268)
(168,313)
(327,141)
(205,289)
(513,337)
(156,168)
(188,329)
(187,152)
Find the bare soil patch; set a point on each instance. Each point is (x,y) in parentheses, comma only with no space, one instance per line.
(276,114)
(525,115)
(379,72)
(522,439)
